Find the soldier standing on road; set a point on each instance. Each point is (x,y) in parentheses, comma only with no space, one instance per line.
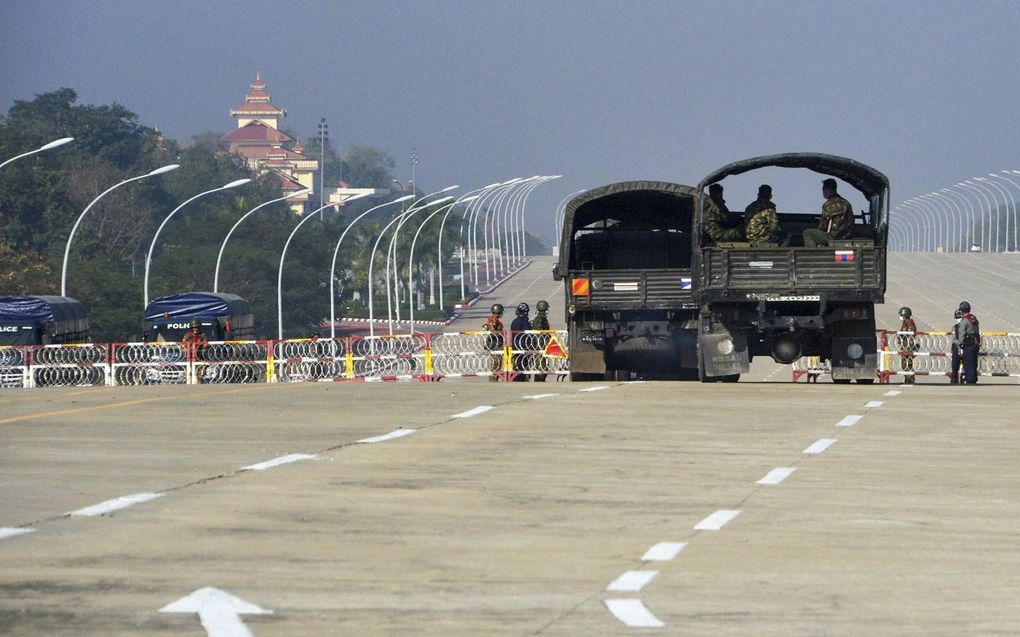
(494,341)
(954,350)
(836,222)
(720,223)
(541,322)
(194,341)
(968,332)
(518,327)
(908,345)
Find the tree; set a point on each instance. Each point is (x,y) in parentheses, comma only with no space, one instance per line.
(368,167)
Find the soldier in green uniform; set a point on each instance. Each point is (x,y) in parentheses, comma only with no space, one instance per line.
(763,228)
(720,223)
(837,221)
(763,202)
(541,322)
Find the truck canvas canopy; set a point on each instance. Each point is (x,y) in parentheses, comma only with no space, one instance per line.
(42,320)
(221,315)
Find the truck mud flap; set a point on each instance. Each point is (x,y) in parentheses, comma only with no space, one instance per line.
(854,357)
(723,353)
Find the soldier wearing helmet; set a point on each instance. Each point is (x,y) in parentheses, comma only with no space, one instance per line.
(968,334)
(908,345)
(494,342)
(541,323)
(518,327)
(195,337)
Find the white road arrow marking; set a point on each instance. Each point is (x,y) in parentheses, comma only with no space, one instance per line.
(218,611)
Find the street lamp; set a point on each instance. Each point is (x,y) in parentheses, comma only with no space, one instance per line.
(561,212)
(484,208)
(944,234)
(442,227)
(223,246)
(1005,204)
(971,217)
(55,143)
(1016,185)
(953,211)
(410,258)
(323,135)
(984,197)
(152,246)
(283,255)
(465,242)
(74,228)
(522,244)
(336,251)
(371,264)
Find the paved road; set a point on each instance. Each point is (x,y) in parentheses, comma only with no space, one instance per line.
(530,285)
(516,520)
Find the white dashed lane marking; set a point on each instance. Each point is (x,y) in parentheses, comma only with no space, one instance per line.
(717,520)
(539,396)
(633,613)
(849,421)
(632,581)
(276,462)
(7,531)
(819,446)
(874,404)
(393,435)
(481,409)
(777,475)
(892,393)
(595,388)
(663,551)
(115,504)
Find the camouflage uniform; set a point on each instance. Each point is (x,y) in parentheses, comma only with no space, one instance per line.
(763,227)
(837,222)
(721,224)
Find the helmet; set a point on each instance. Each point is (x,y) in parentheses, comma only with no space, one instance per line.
(958,314)
(497,308)
(542,306)
(195,323)
(522,309)
(964,306)
(905,312)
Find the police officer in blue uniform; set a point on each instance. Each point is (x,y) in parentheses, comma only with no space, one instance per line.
(968,333)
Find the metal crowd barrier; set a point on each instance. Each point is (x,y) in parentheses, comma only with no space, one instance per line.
(929,354)
(424,357)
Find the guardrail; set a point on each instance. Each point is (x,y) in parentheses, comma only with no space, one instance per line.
(425,357)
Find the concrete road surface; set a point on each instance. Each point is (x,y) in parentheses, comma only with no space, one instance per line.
(530,285)
(884,510)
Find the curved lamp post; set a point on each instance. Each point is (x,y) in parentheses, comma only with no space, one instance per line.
(522,244)
(561,212)
(466,243)
(152,246)
(74,228)
(971,217)
(1005,204)
(53,144)
(371,263)
(943,214)
(336,251)
(971,186)
(1013,202)
(442,226)
(955,212)
(484,208)
(283,255)
(410,258)
(223,246)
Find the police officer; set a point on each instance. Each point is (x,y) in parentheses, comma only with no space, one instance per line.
(954,350)
(520,324)
(541,322)
(494,342)
(968,332)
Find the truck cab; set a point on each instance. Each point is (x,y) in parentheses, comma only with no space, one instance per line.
(791,301)
(625,257)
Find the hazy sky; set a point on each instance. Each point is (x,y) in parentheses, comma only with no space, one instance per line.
(926,92)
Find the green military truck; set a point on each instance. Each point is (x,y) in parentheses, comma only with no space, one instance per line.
(789,302)
(625,256)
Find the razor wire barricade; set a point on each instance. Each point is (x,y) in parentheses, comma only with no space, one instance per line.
(424,357)
(930,354)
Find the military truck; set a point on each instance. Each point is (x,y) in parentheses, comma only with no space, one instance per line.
(789,302)
(625,257)
(223,317)
(42,320)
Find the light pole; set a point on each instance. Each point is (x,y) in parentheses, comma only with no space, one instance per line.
(913,205)
(522,243)
(501,241)
(484,208)
(466,243)
(984,197)
(55,143)
(152,246)
(561,212)
(944,234)
(279,272)
(953,211)
(371,263)
(74,228)
(510,213)
(223,246)
(442,227)
(970,214)
(1005,204)
(323,136)
(410,258)
(391,251)
(1016,185)
(336,251)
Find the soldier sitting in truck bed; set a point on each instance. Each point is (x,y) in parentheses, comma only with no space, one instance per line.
(837,221)
(721,225)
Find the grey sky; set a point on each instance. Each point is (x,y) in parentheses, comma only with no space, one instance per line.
(926,92)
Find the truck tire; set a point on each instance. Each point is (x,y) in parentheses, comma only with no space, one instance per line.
(865,381)
(841,381)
